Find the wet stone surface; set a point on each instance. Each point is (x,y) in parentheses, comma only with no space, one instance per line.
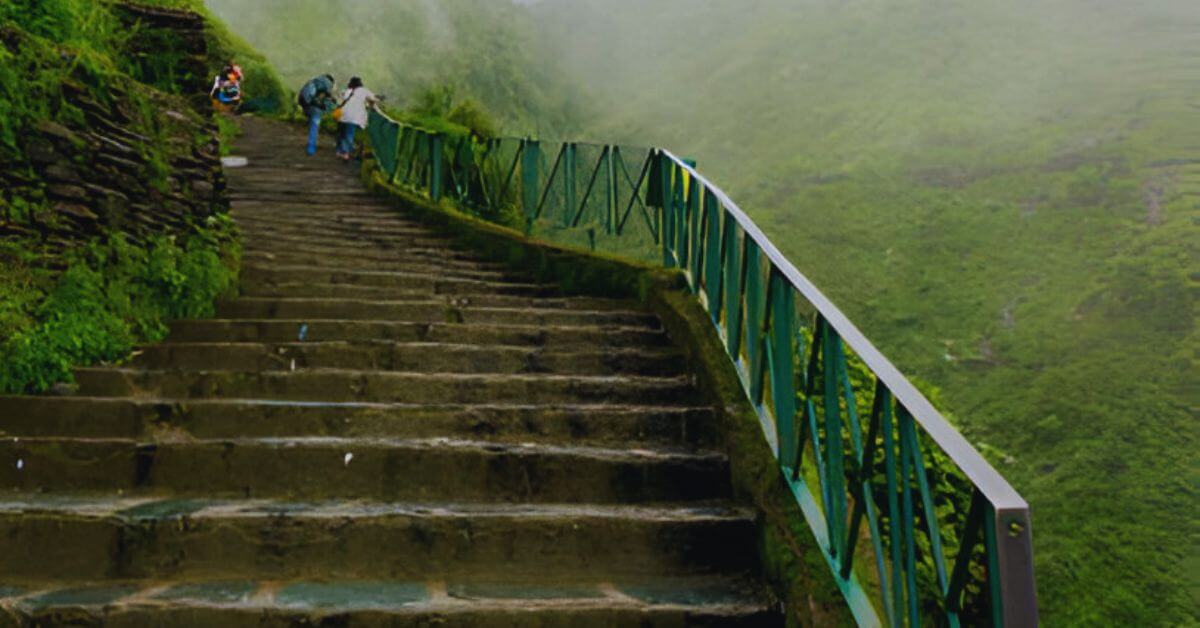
(386,429)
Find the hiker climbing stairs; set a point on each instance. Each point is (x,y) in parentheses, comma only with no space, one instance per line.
(382,430)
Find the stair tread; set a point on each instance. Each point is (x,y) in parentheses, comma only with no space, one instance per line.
(719,595)
(149,507)
(641,454)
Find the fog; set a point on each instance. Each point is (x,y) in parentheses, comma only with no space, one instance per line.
(1002,194)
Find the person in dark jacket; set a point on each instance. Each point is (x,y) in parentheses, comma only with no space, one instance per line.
(316,99)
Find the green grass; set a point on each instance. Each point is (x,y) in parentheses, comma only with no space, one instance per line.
(998,195)
(111,296)
(93,297)
(1002,195)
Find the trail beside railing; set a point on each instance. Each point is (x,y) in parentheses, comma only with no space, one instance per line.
(894,495)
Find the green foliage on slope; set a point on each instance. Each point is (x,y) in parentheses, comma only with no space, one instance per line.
(70,297)
(489,51)
(112,295)
(1003,195)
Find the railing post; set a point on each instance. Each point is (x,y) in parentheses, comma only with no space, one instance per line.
(531,158)
(783,372)
(667,211)
(610,191)
(691,246)
(712,256)
(568,171)
(435,170)
(754,320)
(1011,539)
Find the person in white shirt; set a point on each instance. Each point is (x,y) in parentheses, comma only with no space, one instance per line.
(355,102)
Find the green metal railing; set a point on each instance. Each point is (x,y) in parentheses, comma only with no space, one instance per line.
(894,495)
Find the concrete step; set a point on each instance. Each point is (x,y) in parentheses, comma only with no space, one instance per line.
(696,602)
(323,221)
(360,257)
(164,419)
(424,470)
(437,282)
(454,310)
(402,387)
(331,227)
(358,213)
(417,357)
(321,330)
(54,537)
(374,293)
(282,238)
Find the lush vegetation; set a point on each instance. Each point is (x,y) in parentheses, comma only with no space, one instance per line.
(488,51)
(70,297)
(112,295)
(1002,195)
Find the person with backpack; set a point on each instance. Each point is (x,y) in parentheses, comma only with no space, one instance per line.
(352,115)
(226,92)
(316,100)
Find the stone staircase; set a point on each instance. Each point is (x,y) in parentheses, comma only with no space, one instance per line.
(382,431)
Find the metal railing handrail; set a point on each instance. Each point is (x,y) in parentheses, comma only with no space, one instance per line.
(997,490)
(702,231)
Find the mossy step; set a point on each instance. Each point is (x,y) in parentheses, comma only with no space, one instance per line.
(440,283)
(329,226)
(365,257)
(299,199)
(326,189)
(378,213)
(280,238)
(696,602)
(61,537)
(352,385)
(304,290)
(346,215)
(318,330)
(420,357)
(438,469)
(427,310)
(153,419)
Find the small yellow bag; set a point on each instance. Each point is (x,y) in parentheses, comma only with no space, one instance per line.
(337,113)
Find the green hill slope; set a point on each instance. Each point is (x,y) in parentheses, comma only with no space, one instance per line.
(1004,196)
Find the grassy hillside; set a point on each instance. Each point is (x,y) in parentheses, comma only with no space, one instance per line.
(1005,196)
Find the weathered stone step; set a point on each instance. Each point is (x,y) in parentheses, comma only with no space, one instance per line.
(696,602)
(299,199)
(358,213)
(49,537)
(426,310)
(375,260)
(373,293)
(435,254)
(280,239)
(330,226)
(354,259)
(350,385)
(325,190)
(278,330)
(158,419)
(423,470)
(436,282)
(417,357)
